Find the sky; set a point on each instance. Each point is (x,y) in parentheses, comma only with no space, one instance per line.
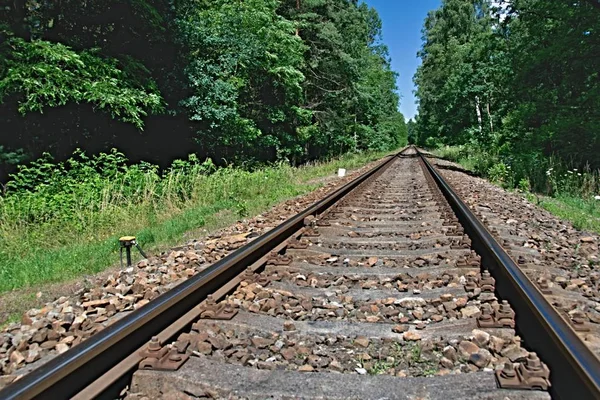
(402,23)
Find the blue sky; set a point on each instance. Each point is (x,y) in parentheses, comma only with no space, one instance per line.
(402,22)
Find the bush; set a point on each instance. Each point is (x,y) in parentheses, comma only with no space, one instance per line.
(42,74)
(87,199)
(500,173)
(524,185)
(61,220)
(528,171)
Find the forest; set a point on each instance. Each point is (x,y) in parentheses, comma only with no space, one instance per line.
(241,82)
(512,87)
(160,118)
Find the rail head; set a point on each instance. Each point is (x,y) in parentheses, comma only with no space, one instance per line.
(69,373)
(575,369)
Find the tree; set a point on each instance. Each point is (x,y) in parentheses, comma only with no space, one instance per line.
(349,88)
(244,78)
(411,130)
(82,74)
(457,86)
(555,48)
(248,81)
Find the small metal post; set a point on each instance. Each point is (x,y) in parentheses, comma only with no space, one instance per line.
(127,242)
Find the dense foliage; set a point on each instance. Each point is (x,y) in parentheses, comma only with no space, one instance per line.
(84,74)
(515,80)
(258,80)
(59,220)
(349,87)
(42,74)
(244,74)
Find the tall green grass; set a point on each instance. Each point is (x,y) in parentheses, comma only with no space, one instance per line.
(584,214)
(569,191)
(62,220)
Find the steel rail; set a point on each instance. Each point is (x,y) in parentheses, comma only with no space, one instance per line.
(575,370)
(67,374)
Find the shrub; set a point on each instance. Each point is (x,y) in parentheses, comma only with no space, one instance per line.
(500,173)
(527,171)
(61,220)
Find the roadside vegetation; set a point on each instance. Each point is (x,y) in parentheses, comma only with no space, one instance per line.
(248,82)
(261,87)
(510,89)
(566,191)
(62,220)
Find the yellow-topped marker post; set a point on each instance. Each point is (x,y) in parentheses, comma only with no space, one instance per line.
(127,242)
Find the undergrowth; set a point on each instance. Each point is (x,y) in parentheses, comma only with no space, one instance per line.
(566,190)
(62,220)
(406,357)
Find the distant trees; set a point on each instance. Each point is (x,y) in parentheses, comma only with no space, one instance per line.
(411,130)
(519,77)
(258,80)
(349,89)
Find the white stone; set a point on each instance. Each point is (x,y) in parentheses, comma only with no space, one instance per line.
(470,312)
(412,302)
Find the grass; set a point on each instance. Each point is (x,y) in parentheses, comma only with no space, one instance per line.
(407,356)
(66,223)
(583,214)
(567,192)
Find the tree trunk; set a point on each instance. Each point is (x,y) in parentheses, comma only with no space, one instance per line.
(489,114)
(298,9)
(478,111)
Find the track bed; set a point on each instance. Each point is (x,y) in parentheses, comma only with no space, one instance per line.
(376,300)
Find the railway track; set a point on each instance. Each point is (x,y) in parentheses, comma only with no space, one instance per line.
(388,288)
(558,259)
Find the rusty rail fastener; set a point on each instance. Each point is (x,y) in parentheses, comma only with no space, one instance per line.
(321,221)
(211,310)
(250,277)
(310,230)
(157,357)
(533,374)
(505,315)
(578,320)
(279,259)
(487,283)
(298,244)
(544,286)
(472,283)
(502,317)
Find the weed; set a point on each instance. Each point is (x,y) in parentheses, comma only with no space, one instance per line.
(524,185)
(407,356)
(62,220)
(10,319)
(381,367)
(568,191)
(500,173)
(415,354)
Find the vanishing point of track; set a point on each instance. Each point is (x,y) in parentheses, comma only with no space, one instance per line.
(388,288)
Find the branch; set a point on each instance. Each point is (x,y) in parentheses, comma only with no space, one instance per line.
(326,90)
(594,3)
(323,77)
